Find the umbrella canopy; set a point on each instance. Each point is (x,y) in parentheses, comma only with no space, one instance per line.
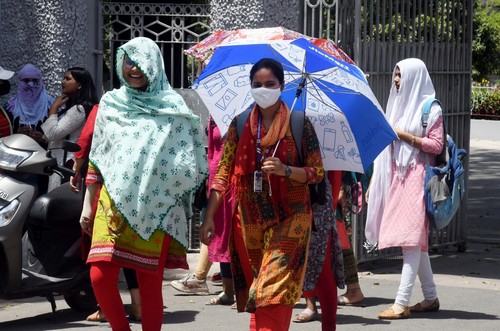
(351,127)
(204,50)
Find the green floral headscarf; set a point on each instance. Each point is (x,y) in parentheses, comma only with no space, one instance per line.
(148,147)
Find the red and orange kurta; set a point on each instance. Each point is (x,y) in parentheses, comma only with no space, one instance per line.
(271,231)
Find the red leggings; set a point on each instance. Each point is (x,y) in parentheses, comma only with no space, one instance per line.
(104,276)
(326,291)
(271,318)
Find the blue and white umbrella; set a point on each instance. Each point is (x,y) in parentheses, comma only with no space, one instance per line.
(350,124)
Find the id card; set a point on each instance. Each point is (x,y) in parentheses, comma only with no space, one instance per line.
(257,181)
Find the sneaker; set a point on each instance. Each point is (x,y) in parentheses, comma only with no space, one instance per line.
(216,278)
(190,284)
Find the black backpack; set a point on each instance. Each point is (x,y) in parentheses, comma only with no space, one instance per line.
(317,191)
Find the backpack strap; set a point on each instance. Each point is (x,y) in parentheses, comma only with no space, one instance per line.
(242,119)
(297,127)
(426,110)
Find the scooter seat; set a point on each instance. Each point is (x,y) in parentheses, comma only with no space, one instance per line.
(59,206)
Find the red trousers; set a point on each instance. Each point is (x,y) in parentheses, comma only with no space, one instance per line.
(271,318)
(326,291)
(104,277)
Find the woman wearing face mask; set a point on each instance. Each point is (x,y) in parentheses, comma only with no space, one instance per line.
(29,107)
(273,215)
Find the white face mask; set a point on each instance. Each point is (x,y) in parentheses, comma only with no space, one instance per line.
(266,97)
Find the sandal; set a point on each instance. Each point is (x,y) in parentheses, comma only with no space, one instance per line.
(221,299)
(341,301)
(98,316)
(307,315)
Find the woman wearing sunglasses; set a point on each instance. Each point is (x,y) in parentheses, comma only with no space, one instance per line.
(147,160)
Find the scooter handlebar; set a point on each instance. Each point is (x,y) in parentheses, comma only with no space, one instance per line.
(63,171)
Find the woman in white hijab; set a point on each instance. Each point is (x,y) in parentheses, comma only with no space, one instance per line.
(396,210)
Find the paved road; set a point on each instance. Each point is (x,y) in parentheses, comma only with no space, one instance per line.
(484,191)
(468,283)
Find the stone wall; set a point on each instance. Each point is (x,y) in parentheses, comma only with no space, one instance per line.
(238,14)
(51,34)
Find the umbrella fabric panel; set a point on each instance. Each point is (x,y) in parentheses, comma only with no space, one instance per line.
(347,117)
(204,50)
(225,56)
(319,60)
(370,128)
(226,93)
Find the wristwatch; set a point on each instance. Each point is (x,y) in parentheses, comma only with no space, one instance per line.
(288,171)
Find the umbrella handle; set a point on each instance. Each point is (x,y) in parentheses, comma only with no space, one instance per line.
(301,86)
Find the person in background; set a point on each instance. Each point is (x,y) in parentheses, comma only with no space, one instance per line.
(273,217)
(68,113)
(5,123)
(146,187)
(396,192)
(325,269)
(354,295)
(29,107)
(218,251)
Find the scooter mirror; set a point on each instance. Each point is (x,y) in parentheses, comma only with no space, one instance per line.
(66,145)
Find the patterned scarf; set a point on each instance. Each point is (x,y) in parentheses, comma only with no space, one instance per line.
(245,163)
(31,102)
(148,147)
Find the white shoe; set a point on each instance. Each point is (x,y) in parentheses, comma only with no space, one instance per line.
(190,284)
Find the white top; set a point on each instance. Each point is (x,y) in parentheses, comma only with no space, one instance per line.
(55,129)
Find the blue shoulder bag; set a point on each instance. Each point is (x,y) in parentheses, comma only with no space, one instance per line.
(444,184)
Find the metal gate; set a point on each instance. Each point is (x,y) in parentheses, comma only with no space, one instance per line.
(174,27)
(377,34)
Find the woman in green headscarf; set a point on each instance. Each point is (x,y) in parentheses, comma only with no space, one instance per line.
(147,159)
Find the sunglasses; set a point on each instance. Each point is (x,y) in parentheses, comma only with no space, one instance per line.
(128,63)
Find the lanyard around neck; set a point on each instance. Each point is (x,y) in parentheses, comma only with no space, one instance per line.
(260,155)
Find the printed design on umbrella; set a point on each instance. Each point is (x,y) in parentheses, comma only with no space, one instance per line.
(349,122)
(322,115)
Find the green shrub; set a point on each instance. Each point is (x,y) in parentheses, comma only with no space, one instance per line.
(485,103)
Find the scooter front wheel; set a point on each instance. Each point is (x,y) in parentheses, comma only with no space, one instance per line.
(82,299)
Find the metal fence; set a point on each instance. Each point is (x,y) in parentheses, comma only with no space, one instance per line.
(174,27)
(378,34)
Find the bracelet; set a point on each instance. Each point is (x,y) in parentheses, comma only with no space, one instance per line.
(412,140)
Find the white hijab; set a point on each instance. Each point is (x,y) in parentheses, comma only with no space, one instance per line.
(404,111)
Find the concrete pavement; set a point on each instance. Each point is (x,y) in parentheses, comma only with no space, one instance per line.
(468,283)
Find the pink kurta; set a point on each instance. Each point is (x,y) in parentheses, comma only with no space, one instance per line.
(218,251)
(404,222)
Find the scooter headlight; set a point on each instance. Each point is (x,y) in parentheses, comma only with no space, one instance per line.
(7,213)
(11,158)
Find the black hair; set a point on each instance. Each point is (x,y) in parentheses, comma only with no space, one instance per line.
(270,64)
(87,96)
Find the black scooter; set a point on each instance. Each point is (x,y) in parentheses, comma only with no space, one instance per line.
(40,236)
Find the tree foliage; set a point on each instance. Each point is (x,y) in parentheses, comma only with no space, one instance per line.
(486,39)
